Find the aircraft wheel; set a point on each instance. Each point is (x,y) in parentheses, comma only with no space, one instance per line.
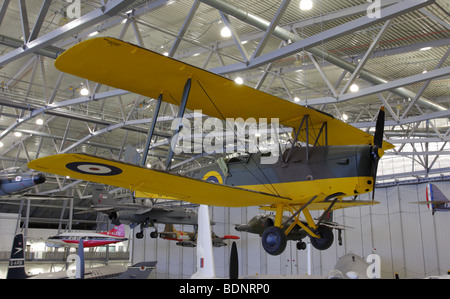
(139,235)
(301,245)
(154,235)
(274,240)
(326,238)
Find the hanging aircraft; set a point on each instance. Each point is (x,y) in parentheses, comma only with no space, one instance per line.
(260,222)
(436,200)
(189,239)
(14,181)
(115,235)
(327,161)
(16,268)
(134,214)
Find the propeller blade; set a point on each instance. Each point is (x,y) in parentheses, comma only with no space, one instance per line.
(377,148)
(379,129)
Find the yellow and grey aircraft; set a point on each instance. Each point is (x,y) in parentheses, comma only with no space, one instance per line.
(334,160)
(260,222)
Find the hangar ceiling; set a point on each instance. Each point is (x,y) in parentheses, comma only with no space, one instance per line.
(398,59)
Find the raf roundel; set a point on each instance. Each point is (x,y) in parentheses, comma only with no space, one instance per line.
(213,176)
(94,168)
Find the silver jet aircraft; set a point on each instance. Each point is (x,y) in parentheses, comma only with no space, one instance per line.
(138,214)
(15,180)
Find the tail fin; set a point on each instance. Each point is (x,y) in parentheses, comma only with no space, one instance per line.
(79,274)
(429,194)
(435,197)
(117,231)
(205,257)
(101,196)
(16,268)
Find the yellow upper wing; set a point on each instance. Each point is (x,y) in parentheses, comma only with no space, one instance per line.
(125,66)
(136,178)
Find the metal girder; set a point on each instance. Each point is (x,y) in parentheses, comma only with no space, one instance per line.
(92,18)
(313,41)
(183,29)
(271,28)
(382,87)
(299,45)
(40,20)
(366,57)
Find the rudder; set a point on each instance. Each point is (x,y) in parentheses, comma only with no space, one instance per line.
(16,268)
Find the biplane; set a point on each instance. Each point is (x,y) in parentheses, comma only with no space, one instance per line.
(328,160)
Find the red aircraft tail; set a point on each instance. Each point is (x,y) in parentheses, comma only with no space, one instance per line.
(117,231)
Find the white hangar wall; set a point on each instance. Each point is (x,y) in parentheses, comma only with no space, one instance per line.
(409,240)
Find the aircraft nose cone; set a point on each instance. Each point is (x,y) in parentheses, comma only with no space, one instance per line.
(39,178)
(241,228)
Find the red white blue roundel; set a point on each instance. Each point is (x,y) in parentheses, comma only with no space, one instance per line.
(93,168)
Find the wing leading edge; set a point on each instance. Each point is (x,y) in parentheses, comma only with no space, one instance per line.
(136,178)
(126,66)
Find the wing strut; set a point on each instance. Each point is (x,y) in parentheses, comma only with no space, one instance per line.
(151,130)
(182,108)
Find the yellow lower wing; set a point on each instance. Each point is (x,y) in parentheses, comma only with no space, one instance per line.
(135,178)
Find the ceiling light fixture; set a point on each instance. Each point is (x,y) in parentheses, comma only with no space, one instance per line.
(239,80)
(354,88)
(345,117)
(306,4)
(225,32)
(39,121)
(84,91)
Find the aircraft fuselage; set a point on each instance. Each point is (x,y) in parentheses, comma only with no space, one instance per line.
(327,169)
(17,182)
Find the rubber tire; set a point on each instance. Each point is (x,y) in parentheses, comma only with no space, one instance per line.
(326,240)
(274,240)
(301,245)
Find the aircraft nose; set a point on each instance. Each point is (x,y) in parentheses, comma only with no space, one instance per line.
(241,228)
(39,178)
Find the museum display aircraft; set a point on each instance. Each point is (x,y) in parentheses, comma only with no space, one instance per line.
(14,181)
(260,222)
(189,239)
(71,239)
(328,159)
(134,214)
(436,200)
(16,267)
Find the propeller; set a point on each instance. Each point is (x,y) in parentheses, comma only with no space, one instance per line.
(377,149)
